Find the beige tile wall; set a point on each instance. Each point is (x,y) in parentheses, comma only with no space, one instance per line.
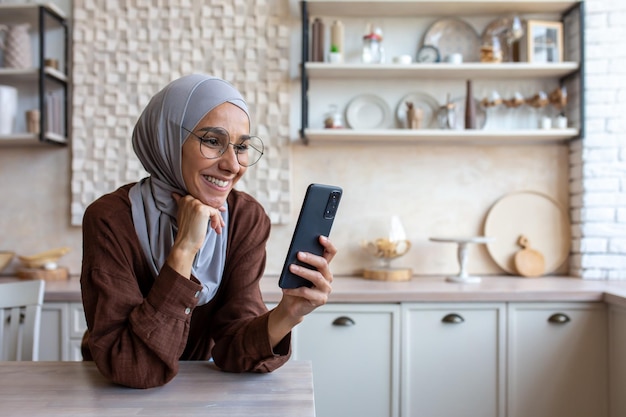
(124,52)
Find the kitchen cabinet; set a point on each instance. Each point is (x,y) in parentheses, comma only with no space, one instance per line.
(325,84)
(44,87)
(557,360)
(453,359)
(62,328)
(54,333)
(617,359)
(354,349)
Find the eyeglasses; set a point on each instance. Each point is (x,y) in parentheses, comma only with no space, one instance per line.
(215,140)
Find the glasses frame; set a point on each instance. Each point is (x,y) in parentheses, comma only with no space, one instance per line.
(223,150)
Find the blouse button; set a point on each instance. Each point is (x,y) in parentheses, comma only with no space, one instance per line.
(187,310)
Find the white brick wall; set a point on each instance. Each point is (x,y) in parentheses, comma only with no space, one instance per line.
(598,162)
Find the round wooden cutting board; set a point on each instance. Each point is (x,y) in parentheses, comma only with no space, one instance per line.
(538,217)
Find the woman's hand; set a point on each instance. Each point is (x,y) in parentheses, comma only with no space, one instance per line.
(193,219)
(298,302)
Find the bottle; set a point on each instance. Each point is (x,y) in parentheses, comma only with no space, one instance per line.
(470,107)
(336,42)
(372,52)
(317,41)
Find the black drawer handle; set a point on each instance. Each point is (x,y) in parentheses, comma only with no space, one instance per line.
(343,321)
(558,318)
(453,318)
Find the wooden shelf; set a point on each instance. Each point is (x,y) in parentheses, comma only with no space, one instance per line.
(27,13)
(512,70)
(30,74)
(435,136)
(407,8)
(30,139)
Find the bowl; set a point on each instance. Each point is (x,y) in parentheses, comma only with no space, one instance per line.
(41,259)
(5,259)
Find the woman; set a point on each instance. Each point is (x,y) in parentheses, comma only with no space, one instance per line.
(171,264)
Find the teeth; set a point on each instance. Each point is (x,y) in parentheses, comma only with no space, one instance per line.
(217,182)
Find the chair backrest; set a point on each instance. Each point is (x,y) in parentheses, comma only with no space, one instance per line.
(20,318)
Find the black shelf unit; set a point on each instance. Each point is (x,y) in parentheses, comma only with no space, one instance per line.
(42,17)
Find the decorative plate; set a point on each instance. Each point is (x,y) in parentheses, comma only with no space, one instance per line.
(368,111)
(423,101)
(454,36)
(538,217)
(459,110)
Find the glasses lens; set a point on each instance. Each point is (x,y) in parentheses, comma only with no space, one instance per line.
(213,145)
(249,151)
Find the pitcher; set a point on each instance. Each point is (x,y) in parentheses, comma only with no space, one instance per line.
(16,46)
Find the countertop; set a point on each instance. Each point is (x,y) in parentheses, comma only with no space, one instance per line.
(351,289)
(77,388)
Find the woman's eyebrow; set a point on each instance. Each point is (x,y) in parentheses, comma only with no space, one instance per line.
(214,129)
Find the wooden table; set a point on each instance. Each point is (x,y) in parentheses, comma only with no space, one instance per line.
(200,389)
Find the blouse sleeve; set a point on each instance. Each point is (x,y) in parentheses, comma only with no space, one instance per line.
(135,340)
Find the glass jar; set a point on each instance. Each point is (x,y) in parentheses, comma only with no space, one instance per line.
(333,118)
(373,52)
(491,50)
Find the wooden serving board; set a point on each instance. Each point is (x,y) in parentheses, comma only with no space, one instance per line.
(59,274)
(388,274)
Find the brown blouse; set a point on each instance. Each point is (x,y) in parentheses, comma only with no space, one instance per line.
(140,327)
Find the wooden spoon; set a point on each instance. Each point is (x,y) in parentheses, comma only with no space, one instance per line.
(528,262)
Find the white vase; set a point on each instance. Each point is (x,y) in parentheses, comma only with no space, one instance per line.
(16,46)
(8,109)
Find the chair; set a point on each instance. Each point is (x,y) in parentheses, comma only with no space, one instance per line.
(20,318)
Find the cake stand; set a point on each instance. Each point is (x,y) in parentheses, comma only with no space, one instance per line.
(462,243)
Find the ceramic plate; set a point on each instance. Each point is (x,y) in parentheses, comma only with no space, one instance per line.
(368,112)
(538,217)
(422,101)
(459,107)
(454,36)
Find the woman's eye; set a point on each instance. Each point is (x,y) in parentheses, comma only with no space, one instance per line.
(212,142)
(241,147)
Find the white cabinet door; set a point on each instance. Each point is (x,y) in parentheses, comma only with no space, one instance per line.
(617,359)
(54,332)
(453,360)
(77,327)
(557,362)
(354,353)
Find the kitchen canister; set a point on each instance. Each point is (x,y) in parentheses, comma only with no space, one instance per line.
(16,46)
(8,109)
(317,41)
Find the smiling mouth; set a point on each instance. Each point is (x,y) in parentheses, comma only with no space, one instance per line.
(213,180)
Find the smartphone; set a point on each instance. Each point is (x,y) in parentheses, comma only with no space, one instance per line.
(316,219)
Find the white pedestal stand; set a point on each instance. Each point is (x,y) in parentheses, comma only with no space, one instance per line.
(463,277)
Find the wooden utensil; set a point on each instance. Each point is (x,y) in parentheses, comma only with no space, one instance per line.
(528,262)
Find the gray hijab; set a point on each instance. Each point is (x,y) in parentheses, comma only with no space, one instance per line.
(158,138)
